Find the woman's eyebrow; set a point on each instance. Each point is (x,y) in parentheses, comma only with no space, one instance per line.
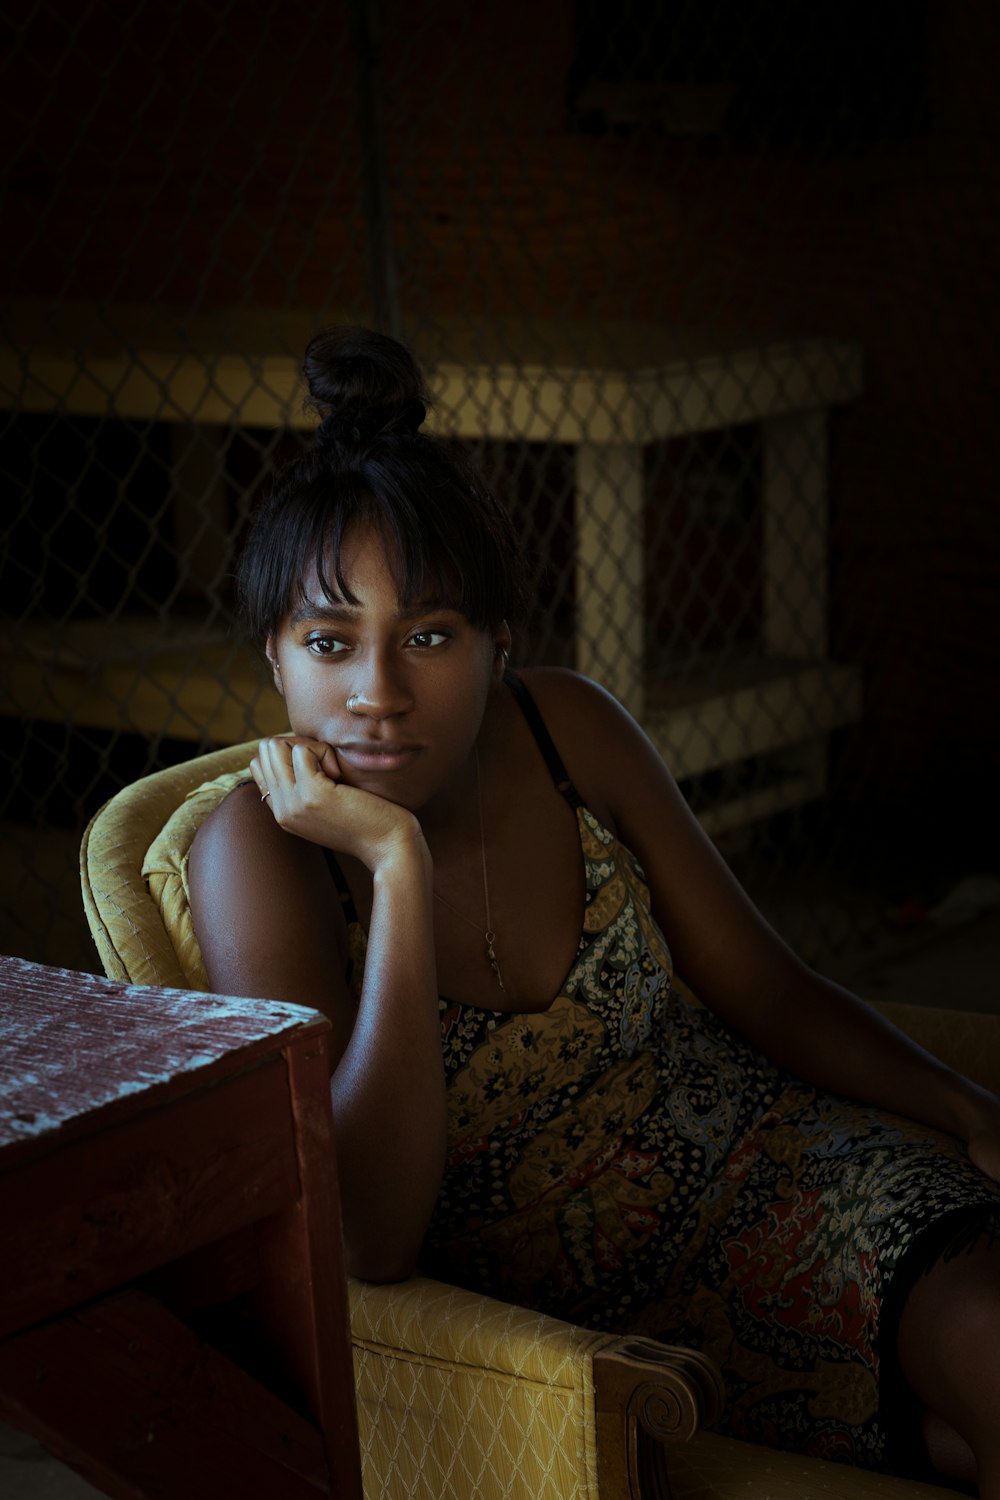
(310,610)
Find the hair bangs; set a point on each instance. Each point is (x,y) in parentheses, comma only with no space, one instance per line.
(419,550)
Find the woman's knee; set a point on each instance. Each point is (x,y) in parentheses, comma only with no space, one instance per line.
(949,1342)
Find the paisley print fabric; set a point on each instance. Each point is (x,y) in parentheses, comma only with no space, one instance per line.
(625,1161)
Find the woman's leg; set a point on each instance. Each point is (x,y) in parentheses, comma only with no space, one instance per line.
(949,1350)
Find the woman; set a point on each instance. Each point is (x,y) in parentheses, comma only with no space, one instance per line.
(570,1127)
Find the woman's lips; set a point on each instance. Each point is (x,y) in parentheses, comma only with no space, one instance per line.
(373,756)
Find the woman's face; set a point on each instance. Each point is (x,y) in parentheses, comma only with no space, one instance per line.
(399,693)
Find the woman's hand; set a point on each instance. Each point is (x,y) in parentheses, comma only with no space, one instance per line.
(303,785)
(983,1134)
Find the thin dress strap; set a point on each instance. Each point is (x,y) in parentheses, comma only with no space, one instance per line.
(543,740)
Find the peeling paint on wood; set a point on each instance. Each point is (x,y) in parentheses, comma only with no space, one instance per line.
(72,1043)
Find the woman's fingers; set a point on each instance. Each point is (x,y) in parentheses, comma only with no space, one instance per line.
(295,777)
(272,769)
(329,764)
(302,783)
(312,757)
(276,765)
(259,775)
(280,751)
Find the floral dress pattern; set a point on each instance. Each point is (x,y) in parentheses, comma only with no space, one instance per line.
(625,1161)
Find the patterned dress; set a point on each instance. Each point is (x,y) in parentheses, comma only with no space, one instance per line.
(625,1161)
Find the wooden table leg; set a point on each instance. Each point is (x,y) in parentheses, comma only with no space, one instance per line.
(127,1395)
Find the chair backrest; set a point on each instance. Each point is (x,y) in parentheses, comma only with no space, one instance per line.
(133,867)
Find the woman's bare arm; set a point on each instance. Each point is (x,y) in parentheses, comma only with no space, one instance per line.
(729,955)
(269,924)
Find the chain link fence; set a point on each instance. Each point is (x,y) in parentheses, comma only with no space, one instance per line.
(708,290)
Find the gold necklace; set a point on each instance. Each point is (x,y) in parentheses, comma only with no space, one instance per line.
(489,934)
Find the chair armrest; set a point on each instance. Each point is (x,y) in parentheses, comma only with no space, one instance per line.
(461,1394)
(648,1394)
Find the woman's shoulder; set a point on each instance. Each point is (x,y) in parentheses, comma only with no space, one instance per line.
(568,697)
(600,743)
(579,713)
(264,905)
(239,836)
(237,821)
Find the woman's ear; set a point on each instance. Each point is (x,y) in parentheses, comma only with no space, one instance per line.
(271,652)
(502,642)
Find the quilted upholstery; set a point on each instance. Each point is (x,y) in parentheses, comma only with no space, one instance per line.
(143,931)
(460,1397)
(435,1361)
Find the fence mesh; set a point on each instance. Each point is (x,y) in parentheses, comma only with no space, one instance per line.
(708,290)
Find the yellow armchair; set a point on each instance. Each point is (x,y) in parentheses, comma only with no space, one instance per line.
(459,1396)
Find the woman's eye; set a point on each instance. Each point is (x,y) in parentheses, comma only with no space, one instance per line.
(424,638)
(325,645)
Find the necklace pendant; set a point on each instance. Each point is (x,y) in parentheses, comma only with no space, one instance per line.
(493,961)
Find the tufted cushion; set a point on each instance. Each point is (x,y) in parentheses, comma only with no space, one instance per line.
(133,868)
(165,867)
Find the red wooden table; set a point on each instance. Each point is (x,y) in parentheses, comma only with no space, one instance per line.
(173,1317)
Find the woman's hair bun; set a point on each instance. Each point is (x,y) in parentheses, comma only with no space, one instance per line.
(363,384)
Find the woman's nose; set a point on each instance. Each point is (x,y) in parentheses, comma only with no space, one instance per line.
(379,690)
